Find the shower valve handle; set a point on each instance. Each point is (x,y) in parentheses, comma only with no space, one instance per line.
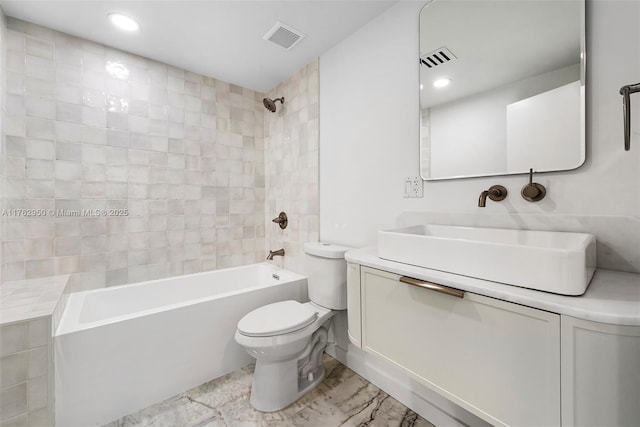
(281,220)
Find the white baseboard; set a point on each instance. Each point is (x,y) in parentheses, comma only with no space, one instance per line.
(420,399)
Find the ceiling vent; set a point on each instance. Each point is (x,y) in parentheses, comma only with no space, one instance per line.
(283,35)
(437,57)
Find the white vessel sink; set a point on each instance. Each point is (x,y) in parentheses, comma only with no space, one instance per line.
(557,262)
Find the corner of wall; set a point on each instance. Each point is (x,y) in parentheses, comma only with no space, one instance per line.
(291,166)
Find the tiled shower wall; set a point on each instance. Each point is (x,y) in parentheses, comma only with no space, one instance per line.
(291,166)
(3,91)
(175,159)
(26,377)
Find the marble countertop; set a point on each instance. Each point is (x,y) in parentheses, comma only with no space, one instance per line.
(23,300)
(612,297)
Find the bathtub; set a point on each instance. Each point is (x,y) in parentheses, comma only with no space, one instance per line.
(120,349)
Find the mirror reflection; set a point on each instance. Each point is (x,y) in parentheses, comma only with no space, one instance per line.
(501,87)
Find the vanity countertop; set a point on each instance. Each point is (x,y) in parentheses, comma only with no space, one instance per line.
(612,297)
(24,300)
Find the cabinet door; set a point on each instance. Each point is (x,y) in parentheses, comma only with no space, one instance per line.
(600,374)
(500,361)
(353,303)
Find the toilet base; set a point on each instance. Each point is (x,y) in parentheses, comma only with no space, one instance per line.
(274,387)
(288,365)
(305,385)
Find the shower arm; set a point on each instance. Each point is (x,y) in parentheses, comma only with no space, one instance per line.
(626,91)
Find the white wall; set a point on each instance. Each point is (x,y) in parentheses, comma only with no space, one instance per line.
(369,126)
(369,130)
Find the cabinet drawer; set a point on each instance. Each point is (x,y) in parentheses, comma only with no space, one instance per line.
(500,361)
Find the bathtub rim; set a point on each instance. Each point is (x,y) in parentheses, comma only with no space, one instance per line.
(76,300)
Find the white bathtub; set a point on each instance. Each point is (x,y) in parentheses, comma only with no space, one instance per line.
(120,349)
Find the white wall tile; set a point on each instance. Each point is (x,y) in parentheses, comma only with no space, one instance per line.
(13,338)
(81,138)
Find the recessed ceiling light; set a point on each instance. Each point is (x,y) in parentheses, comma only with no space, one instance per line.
(421,86)
(441,82)
(123,22)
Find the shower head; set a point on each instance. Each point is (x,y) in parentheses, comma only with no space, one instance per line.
(270,104)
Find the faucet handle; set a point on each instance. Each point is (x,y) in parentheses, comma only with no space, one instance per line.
(281,220)
(533,191)
(497,193)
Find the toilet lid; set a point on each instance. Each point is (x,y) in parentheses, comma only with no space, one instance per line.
(277,318)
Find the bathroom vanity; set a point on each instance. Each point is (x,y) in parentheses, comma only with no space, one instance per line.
(510,355)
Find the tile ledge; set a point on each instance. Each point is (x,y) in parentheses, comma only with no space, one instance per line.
(25,300)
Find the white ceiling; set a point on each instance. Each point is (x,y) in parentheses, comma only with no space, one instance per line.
(221,39)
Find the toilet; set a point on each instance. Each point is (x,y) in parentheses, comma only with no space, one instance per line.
(288,338)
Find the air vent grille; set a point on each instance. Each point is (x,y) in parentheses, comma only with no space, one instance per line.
(437,57)
(284,35)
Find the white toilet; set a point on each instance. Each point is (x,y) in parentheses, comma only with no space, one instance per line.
(288,338)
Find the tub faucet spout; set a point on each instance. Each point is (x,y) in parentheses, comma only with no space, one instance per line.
(279,252)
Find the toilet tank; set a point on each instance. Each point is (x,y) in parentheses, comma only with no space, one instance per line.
(326,272)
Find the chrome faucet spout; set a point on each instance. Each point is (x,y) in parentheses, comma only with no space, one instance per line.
(279,252)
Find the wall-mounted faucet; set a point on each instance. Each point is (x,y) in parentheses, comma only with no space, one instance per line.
(279,252)
(495,193)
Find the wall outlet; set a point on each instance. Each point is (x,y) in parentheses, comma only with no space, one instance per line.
(413,187)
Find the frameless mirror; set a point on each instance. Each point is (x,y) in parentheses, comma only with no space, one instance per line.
(502,87)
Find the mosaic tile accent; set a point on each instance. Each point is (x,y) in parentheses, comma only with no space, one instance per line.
(342,399)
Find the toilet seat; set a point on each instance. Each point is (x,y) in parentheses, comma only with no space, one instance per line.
(276,319)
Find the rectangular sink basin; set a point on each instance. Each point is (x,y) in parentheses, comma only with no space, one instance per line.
(558,262)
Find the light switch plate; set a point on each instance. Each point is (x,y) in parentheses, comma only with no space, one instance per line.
(413,187)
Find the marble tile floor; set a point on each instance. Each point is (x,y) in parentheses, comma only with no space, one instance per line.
(342,399)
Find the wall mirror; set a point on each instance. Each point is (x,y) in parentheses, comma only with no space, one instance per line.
(502,87)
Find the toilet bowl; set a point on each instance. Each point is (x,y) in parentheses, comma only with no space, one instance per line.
(281,347)
(288,338)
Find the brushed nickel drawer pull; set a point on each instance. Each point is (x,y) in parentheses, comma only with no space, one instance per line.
(433,286)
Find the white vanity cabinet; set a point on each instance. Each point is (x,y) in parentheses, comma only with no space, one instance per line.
(498,360)
(541,360)
(600,373)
